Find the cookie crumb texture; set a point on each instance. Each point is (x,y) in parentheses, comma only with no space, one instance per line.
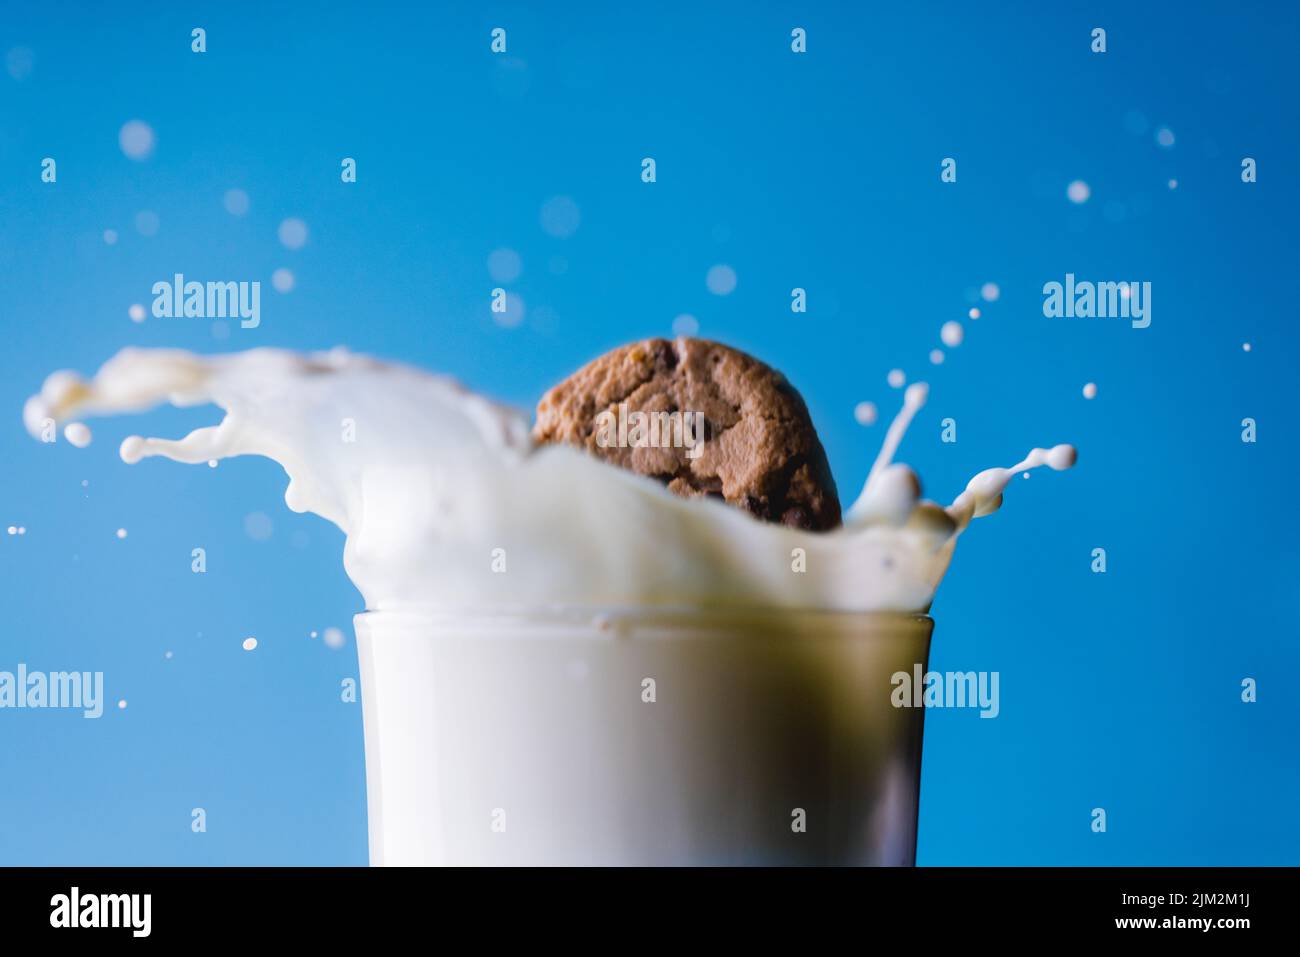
(760,451)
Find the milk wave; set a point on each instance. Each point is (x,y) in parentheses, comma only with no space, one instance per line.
(447,505)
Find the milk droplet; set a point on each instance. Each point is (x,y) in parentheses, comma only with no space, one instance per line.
(936,356)
(990,292)
(258,526)
(333,638)
(136,312)
(1090,390)
(147,222)
(1061,457)
(250,644)
(974,312)
(78,434)
(1245,347)
(1078,191)
(22,529)
(504,265)
(721,280)
(121,704)
(293,233)
(560,217)
(896,378)
(136,138)
(236,202)
(132,449)
(121,533)
(952,334)
(13,529)
(865,413)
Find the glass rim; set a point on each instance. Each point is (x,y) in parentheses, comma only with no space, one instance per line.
(614,620)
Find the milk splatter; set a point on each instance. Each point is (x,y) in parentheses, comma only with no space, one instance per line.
(447,504)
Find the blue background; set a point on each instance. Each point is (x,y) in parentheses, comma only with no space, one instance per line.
(821,170)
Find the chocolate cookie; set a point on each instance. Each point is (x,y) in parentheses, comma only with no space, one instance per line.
(703,418)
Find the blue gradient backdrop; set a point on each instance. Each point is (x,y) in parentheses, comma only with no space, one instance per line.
(1119,691)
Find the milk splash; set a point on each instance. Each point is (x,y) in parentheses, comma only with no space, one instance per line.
(446,504)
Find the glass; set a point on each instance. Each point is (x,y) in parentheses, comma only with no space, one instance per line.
(640,737)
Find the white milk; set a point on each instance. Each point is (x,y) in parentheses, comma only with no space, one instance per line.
(427,480)
(561,661)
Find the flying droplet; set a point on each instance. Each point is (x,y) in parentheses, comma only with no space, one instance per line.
(293,233)
(78,434)
(236,202)
(721,280)
(685,325)
(137,139)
